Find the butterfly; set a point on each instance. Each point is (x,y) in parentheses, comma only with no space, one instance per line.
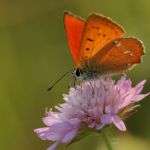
(99,47)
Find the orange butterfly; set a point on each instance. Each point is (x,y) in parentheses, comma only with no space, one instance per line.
(99,47)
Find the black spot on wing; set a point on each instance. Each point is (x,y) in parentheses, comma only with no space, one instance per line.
(90,39)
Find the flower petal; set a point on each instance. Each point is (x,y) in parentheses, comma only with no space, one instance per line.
(69,136)
(106,119)
(41,132)
(53,146)
(51,119)
(139,86)
(139,97)
(118,123)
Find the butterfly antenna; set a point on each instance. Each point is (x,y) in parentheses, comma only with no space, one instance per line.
(58,80)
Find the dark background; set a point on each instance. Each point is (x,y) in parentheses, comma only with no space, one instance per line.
(34,53)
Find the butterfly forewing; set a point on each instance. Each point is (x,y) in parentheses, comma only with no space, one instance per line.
(98,32)
(74,28)
(117,56)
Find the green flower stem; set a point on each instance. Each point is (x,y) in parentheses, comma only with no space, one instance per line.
(107,141)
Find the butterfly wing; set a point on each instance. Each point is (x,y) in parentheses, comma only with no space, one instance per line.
(74,28)
(117,56)
(98,32)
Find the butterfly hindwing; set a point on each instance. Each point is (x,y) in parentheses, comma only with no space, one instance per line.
(118,56)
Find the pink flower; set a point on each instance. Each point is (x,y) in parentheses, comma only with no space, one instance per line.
(92,105)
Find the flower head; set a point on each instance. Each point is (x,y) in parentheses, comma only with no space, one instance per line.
(91,105)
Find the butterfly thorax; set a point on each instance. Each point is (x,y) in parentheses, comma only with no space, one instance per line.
(83,74)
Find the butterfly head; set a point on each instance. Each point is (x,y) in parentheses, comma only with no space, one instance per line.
(78,74)
(83,74)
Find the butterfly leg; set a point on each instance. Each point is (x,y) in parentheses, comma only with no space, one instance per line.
(70,82)
(74,83)
(93,92)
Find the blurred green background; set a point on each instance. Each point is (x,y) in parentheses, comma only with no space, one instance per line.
(34,53)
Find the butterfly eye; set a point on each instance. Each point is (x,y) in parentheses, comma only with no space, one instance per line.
(78,73)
